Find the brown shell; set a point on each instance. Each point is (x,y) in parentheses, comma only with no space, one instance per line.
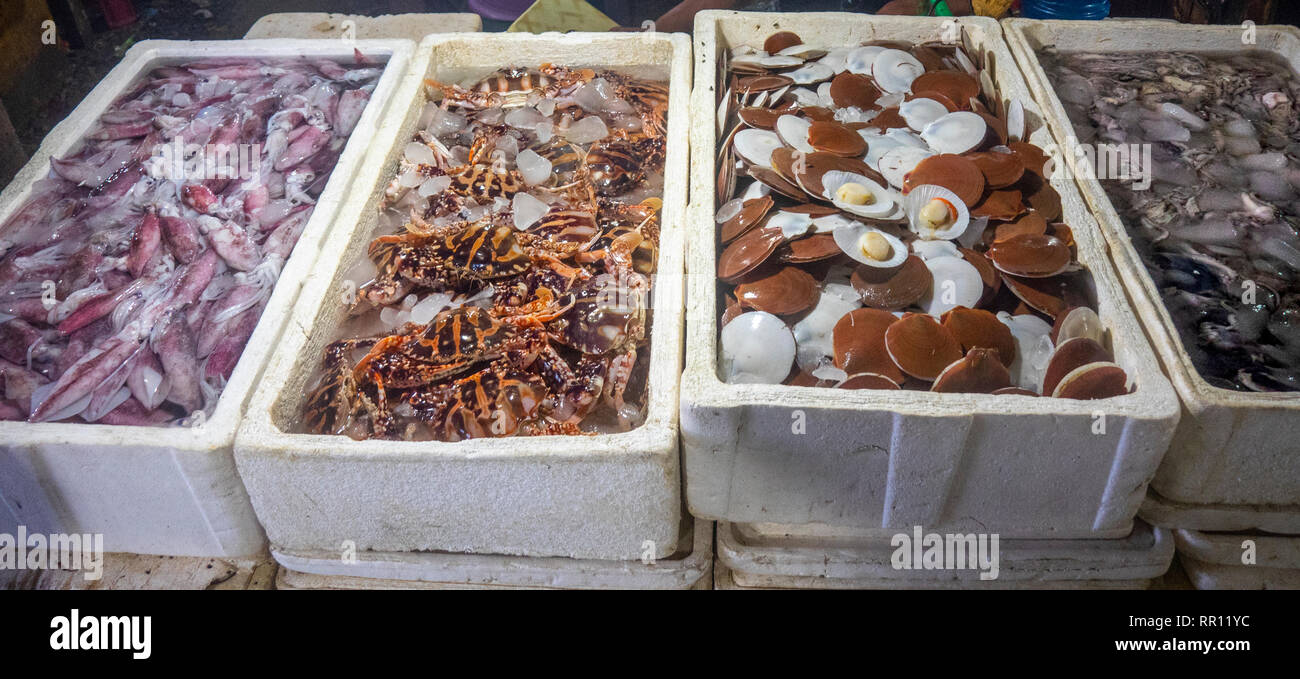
(1032,156)
(1030,256)
(813,248)
(920,347)
(777,183)
(977,328)
(1093,381)
(888,119)
(781,40)
(817,113)
(930,58)
(1016,391)
(835,138)
(1029,224)
(814,209)
(746,253)
(859,343)
(980,371)
(869,381)
(1071,354)
(997,130)
(1000,170)
(854,89)
(788,290)
(893,288)
(953,172)
(988,273)
(936,96)
(1040,195)
(759,116)
(955,85)
(1001,204)
(1040,294)
(762,83)
(817,164)
(751,214)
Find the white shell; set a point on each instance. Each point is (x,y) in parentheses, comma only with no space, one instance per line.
(829,223)
(805,97)
(1082,322)
(956,283)
(956,132)
(882,208)
(974,232)
(811,72)
(1015,120)
(793,130)
(849,238)
(837,59)
(898,161)
(756,189)
(861,59)
(756,146)
(813,333)
(933,249)
(890,99)
(921,112)
(1033,349)
(756,348)
(767,60)
(919,196)
(792,224)
(894,70)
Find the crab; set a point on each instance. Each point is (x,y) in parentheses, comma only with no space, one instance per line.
(511,87)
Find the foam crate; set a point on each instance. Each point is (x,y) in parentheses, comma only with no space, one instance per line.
(588,497)
(1232,450)
(1023,466)
(175,490)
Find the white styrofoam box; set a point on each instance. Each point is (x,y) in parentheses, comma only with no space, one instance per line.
(1230,448)
(1161,511)
(689,567)
(763,556)
(592,497)
(356,26)
(1215,560)
(173,490)
(1024,466)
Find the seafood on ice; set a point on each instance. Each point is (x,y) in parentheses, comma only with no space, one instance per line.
(136,271)
(883,223)
(507,287)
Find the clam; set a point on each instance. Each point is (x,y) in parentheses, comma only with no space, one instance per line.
(896,163)
(955,132)
(857,194)
(1033,348)
(812,248)
(1068,356)
(920,346)
(894,70)
(852,89)
(958,87)
(977,328)
(868,381)
(862,59)
(859,344)
(788,290)
(871,246)
(747,252)
(955,173)
(919,112)
(1093,381)
(811,72)
(756,348)
(756,146)
(935,213)
(1000,170)
(892,288)
(835,138)
(956,283)
(1030,255)
(980,371)
(793,130)
(781,40)
(1078,322)
(750,214)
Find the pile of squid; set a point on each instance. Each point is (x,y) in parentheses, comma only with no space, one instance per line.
(884,223)
(1219,227)
(508,290)
(134,274)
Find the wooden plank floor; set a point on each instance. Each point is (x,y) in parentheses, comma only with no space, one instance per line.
(139,571)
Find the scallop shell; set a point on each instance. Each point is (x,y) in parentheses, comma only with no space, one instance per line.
(755,348)
(977,328)
(1031,256)
(756,146)
(862,59)
(788,290)
(920,112)
(1068,356)
(852,89)
(781,40)
(895,164)
(892,289)
(956,283)
(955,173)
(793,130)
(747,253)
(920,196)
(1093,381)
(882,208)
(811,72)
(850,239)
(750,215)
(868,381)
(921,347)
(1000,169)
(859,344)
(957,86)
(1078,322)
(835,138)
(980,371)
(955,132)
(894,70)
(1033,348)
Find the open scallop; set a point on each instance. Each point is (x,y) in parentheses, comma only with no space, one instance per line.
(859,195)
(955,132)
(894,70)
(871,246)
(756,146)
(756,348)
(935,213)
